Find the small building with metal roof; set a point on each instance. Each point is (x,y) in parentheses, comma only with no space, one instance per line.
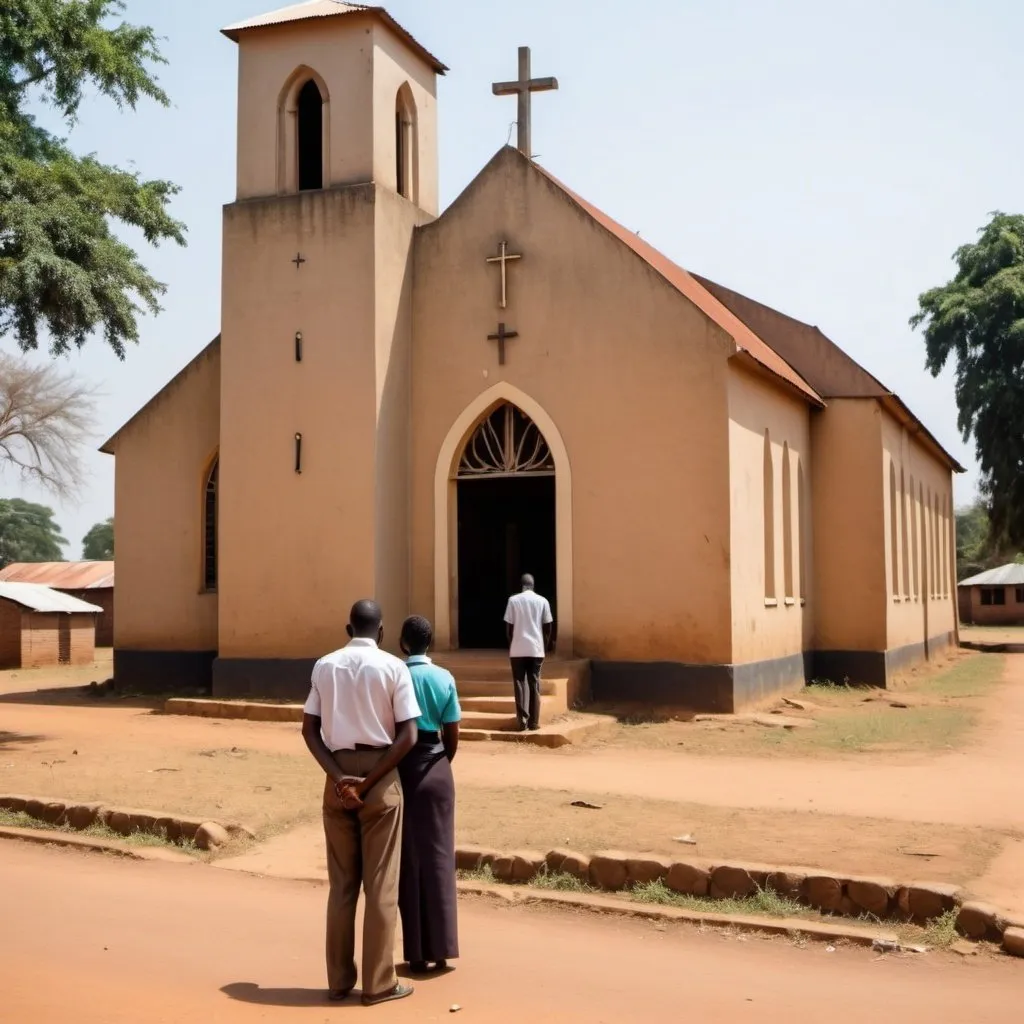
(994,597)
(42,627)
(92,582)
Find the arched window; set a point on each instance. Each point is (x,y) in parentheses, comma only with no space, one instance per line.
(914,513)
(310,141)
(894,531)
(787,525)
(769,520)
(210,528)
(507,443)
(405,144)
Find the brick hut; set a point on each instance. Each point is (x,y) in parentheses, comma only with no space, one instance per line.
(92,582)
(40,627)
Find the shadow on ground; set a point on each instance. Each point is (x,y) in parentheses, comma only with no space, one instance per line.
(247,992)
(9,740)
(79,697)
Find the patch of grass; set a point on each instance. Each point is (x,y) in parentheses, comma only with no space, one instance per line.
(763,903)
(19,819)
(484,875)
(558,881)
(941,932)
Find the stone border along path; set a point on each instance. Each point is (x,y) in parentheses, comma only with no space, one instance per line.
(207,835)
(613,871)
(976,921)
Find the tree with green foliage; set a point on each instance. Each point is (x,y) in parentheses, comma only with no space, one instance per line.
(98,543)
(978,320)
(28,533)
(972,538)
(63,271)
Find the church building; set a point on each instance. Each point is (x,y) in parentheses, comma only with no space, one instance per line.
(419,406)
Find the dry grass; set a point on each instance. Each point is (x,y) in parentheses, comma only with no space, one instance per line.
(938,934)
(18,819)
(943,707)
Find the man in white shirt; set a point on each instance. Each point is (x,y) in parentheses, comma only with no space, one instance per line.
(529,623)
(359,722)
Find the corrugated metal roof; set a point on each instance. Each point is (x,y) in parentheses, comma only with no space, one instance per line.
(1011,575)
(61,575)
(38,598)
(330,9)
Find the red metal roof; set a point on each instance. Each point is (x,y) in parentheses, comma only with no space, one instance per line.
(330,9)
(707,303)
(61,575)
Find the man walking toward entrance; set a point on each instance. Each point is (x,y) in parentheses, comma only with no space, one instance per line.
(359,722)
(529,623)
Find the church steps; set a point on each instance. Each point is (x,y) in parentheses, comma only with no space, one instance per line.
(489,722)
(503,688)
(549,708)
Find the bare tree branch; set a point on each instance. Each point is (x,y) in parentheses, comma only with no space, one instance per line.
(46,418)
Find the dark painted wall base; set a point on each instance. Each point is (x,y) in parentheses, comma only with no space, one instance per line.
(270,678)
(724,689)
(720,689)
(875,668)
(153,672)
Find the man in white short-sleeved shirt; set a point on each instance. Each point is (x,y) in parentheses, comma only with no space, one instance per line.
(359,722)
(529,623)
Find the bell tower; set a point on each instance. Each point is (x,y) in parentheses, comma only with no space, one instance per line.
(337,167)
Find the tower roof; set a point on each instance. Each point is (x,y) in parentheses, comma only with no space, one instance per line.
(330,9)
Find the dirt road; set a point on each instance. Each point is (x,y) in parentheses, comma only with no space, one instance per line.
(85,939)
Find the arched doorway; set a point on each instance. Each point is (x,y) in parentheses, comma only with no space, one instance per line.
(505,524)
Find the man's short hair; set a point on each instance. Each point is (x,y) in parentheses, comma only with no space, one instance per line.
(417,634)
(365,617)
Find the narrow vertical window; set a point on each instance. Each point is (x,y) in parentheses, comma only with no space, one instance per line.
(210,529)
(803,528)
(914,513)
(311,137)
(787,524)
(769,520)
(904,536)
(405,144)
(925,581)
(933,529)
(894,527)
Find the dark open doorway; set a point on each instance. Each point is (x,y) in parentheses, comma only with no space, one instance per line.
(506,528)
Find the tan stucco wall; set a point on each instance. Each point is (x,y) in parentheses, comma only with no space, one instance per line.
(848,527)
(913,615)
(162,457)
(362,65)
(314,546)
(633,376)
(395,222)
(764,629)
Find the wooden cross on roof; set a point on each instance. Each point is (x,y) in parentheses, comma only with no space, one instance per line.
(524,88)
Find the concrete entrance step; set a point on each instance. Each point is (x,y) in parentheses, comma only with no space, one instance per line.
(549,707)
(564,731)
(469,688)
(488,721)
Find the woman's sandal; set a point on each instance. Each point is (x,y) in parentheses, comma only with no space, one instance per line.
(400,991)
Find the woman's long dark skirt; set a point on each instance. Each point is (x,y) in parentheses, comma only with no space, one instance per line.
(426,888)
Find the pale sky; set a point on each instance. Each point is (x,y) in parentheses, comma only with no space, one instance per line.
(824,158)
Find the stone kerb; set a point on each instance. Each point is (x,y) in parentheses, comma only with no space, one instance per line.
(206,834)
(832,894)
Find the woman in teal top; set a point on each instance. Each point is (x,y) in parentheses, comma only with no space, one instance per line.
(426,887)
